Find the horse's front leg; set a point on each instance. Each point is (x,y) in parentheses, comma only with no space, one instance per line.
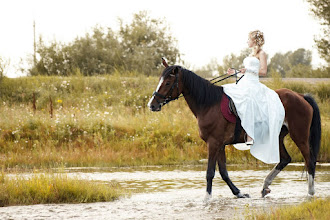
(212,158)
(224,174)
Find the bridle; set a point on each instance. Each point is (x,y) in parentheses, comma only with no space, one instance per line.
(168,97)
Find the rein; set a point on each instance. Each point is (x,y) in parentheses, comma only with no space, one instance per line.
(235,74)
(168,97)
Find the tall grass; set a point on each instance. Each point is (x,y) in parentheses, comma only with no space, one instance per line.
(53,188)
(315,209)
(103,121)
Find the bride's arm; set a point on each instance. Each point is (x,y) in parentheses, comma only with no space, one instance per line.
(263,63)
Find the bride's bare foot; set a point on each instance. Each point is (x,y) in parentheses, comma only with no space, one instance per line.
(249,140)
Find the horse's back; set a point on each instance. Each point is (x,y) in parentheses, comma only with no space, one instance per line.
(293,101)
(298,112)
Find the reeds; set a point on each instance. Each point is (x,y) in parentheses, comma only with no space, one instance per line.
(53,188)
(314,209)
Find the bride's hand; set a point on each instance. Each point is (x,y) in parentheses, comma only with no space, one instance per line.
(230,71)
(243,70)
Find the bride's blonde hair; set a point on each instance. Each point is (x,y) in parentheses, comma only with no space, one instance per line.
(258,37)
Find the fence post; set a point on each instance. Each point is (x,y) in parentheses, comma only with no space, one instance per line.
(34,103)
(51,106)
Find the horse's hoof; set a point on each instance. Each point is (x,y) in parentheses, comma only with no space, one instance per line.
(207,198)
(264,192)
(239,195)
(310,196)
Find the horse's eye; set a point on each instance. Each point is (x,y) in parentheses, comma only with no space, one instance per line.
(167,83)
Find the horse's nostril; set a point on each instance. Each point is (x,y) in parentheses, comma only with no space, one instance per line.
(154,108)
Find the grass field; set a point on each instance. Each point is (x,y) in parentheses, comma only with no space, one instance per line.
(104,121)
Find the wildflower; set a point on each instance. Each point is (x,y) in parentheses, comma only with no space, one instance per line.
(59,101)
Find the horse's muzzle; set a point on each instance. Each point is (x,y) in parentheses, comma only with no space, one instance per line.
(154,106)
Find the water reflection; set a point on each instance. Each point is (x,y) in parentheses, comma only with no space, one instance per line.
(164,178)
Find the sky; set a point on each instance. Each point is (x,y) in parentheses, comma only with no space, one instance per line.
(205,30)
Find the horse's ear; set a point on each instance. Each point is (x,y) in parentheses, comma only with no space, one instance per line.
(164,62)
(175,70)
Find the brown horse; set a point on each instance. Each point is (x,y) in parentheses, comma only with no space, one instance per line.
(302,121)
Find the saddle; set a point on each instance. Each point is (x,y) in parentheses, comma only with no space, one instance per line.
(232,107)
(228,108)
(229,112)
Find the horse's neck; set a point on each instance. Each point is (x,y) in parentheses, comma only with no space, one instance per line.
(191,92)
(191,103)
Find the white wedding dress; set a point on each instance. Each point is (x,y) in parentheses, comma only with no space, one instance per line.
(260,110)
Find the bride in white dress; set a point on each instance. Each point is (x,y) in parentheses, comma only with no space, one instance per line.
(259,108)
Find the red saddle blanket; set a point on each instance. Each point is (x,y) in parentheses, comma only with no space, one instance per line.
(224,106)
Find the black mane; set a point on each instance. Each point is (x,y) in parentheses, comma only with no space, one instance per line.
(201,90)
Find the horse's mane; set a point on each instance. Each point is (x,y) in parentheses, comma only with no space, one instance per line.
(201,90)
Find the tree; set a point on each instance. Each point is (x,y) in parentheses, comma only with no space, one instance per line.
(321,9)
(300,56)
(280,63)
(145,41)
(300,71)
(96,53)
(53,60)
(293,64)
(137,47)
(233,61)
(210,70)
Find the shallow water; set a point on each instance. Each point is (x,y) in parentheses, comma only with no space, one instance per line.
(178,192)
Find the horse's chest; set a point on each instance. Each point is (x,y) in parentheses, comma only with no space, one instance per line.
(206,128)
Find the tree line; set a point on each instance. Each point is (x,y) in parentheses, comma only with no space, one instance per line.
(290,64)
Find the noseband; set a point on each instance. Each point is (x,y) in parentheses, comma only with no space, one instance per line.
(168,97)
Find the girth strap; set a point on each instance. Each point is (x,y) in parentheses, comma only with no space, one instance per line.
(238,130)
(238,126)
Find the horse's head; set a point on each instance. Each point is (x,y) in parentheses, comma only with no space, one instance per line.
(169,87)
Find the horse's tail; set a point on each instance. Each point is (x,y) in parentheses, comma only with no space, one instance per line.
(315,129)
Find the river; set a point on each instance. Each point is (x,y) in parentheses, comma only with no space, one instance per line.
(177,192)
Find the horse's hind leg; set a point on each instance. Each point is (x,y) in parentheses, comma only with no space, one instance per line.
(310,164)
(302,141)
(285,159)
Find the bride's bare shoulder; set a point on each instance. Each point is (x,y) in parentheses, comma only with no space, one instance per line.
(262,54)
